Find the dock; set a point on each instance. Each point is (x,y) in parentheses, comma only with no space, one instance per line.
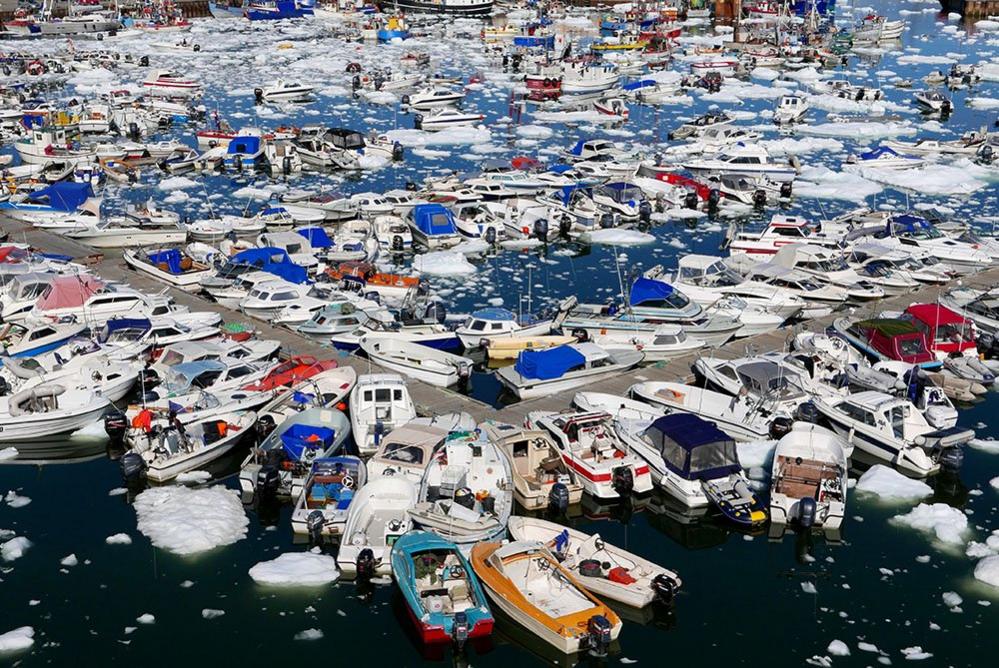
(431,400)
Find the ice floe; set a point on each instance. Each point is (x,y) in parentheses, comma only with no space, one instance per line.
(296,569)
(186,521)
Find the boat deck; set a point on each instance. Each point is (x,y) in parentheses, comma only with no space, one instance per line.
(431,400)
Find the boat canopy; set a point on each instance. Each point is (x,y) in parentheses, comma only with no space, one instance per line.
(247,145)
(62,196)
(648,290)
(889,327)
(638,85)
(693,447)
(301,438)
(548,364)
(273,261)
(494,313)
(171,257)
(935,315)
(876,153)
(316,236)
(68,292)
(124,324)
(433,219)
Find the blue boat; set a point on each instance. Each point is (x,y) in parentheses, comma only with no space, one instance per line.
(321,509)
(443,596)
(271,260)
(245,151)
(17,340)
(53,203)
(273,10)
(433,226)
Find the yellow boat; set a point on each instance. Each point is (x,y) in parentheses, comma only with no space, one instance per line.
(527,582)
(509,349)
(623,46)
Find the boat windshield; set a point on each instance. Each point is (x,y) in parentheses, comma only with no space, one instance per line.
(714,456)
(911,346)
(403,452)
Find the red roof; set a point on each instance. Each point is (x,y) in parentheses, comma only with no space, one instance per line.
(935,315)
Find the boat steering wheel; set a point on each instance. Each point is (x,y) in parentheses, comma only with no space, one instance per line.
(347,482)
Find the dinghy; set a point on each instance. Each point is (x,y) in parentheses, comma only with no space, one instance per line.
(378,517)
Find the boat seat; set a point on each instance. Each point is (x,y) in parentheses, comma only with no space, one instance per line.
(551,464)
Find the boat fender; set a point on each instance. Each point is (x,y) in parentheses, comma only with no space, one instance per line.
(623,480)
(365,564)
(665,588)
(690,200)
(780,427)
(599,634)
(132,465)
(558,498)
(806,512)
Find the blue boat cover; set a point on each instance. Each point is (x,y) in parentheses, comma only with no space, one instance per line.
(876,153)
(249,145)
(548,364)
(171,257)
(648,290)
(116,324)
(493,314)
(565,192)
(908,222)
(560,169)
(62,196)
(317,237)
(578,148)
(637,85)
(273,261)
(298,438)
(710,452)
(433,219)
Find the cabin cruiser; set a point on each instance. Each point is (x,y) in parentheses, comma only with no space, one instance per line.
(887,339)
(433,97)
(907,231)
(790,109)
(884,157)
(700,124)
(827,266)
(545,372)
(432,366)
(705,279)
(663,343)
(443,118)
(283,91)
(47,411)
(379,404)
(487,325)
(745,160)
(406,452)
(761,245)
(820,298)
(433,226)
(933,101)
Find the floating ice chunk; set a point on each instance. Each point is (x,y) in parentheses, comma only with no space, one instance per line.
(535,131)
(764,73)
(450,136)
(18,639)
(888,483)
(790,146)
(296,569)
(987,571)
(248,192)
(186,521)
(756,454)
(118,539)
(15,500)
(618,237)
(309,634)
(858,130)
(989,445)
(838,648)
(934,180)
(808,587)
(176,183)
(146,618)
(945,522)
(951,599)
(822,182)
(69,560)
(14,548)
(915,653)
(212,613)
(443,263)
(8,453)
(919,59)
(995,483)
(867,647)
(193,477)
(982,102)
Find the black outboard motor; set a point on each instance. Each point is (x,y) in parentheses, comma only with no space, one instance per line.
(581,335)
(115,426)
(365,564)
(541,229)
(268,481)
(404,100)
(398,152)
(806,512)
(397,244)
(286,165)
(464,376)
(623,480)
(558,498)
(986,155)
(314,523)
(4,387)
(780,427)
(133,466)
(258,95)
(418,121)
(459,629)
(760,199)
(133,132)
(665,588)
(144,61)
(951,458)
(807,412)
(264,426)
(714,199)
(564,226)
(785,190)
(491,236)
(645,212)
(690,200)
(599,629)
(411,187)
(607,220)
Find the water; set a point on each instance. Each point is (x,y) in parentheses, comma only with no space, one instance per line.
(743,600)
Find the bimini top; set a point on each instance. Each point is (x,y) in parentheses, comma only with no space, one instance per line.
(549,364)
(908,222)
(935,315)
(316,236)
(62,196)
(68,292)
(119,324)
(692,447)
(433,219)
(648,290)
(244,144)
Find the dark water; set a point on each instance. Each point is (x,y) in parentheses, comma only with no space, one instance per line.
(743,601)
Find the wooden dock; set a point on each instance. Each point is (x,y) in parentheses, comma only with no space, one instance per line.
(432,400)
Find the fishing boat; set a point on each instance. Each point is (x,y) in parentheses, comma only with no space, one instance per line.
(541,479)
(605,570)
(466,494)
(809,478)
(790,109)
(539,373)
(378,517)
(187,446)
(321,509)
(527,582)
(432,366)
(443,597)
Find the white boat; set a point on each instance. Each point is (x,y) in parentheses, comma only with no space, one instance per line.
(486,325)
(169,265)
(323,506)
(47,411)
(744,160)
(283,91)
(663,343)
(108,234)
(790,109)
(466,494)
(378,515)
(809,479)
(443,118)
(430,365)
(545,372)
(170,84)
(605,570)
(379,404)
(433,97)
(933,101)
(406,451)
(884,157)
(583,77)
(184,447)
(48,145)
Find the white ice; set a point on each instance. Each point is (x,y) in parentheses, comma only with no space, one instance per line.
(186,521)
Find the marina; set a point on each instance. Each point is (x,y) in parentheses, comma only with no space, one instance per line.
(485,331)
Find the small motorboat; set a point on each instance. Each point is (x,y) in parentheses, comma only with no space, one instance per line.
(790,109)
(809,481)
(884,157)
(283,91)
(605,570)
(490,324)
(407,451)
(933,101)
(663,343)
(169,265)
(379,404)
(432,366)
(321,509)
(444,598)
(47,411)
(29,340)
(527,582)
(545,372)
(378,517)
(614,108)
(433,98)
(443,118)
(511,347)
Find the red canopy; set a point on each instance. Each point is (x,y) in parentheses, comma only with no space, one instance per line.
(935,315)
(67,292)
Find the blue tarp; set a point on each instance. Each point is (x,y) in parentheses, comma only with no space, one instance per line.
(62,196)
(689,431)
(637,85)
(244,145)
(647,290)
(273,261)
(577,149)
(433,219)
(317,237)
(298,438)
(565,192)
(116,324)
(171,257)
(548,364)
(875,153)
(907,222)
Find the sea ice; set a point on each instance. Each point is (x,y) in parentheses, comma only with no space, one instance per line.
(18,639)
(14,548)
(888,483)
(309,634)
(443,263)
(947,523)
(618,237)
(987,571)
(15,500)
(838,648)
(186,521)
(118,539)
(296,569)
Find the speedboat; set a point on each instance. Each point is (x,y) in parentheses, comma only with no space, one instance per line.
(545,372)
(321,509)
(283,91)
(884,157)
(429,365)
(605,570)
(444,598)
(485,326)
(112,234)
(378,517)
(443,118)
(541,479)
(47,411)
(663,343)
(829,266)
(588,443)
(744,160)
(933,101)
(706,279)
(32,339)
(433,226)
(379,404)
(170,84)
(528,583)
(181,447)
(809,478)
(407,451)
(887,339)
(433,98)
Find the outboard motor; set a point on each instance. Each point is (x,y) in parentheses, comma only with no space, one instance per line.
(133,466)
(314,522)
(558,498)
(645,212)
(464,376)
(133,131)
(760,199)
(807,412)
(690,200)
(599,629)
(607,220)
(459,629)
(436,312)
(541,229)
(397,244)
(4,387)
(258,95)
(365,564)
(286,165)
(268,481)
(580,334)
(946,107)
(780,427)
(623,480)
(353,68)
(986,155)
(665,588)
(806,512)
(115,425)
(144,61)
(564,226)
(491,236)
(411,187)
(951,458)
(785,190)
(714,199)
(418,121)
(264,426)
(404,100)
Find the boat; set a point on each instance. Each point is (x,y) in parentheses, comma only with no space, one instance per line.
(933,101)
(279,466)
(443,118)
(809,479)
(429,365)
(321,509)
(589,445)
(275,10)
(887,339)
(663,343)
(527,582)
(407,451)
(62,205)
(170,84)
(187,446)
(47,411)
(486,326)
(539,373)
(110,234)
(378,517)
(283,91)
(433,226)
(169,265)
(466,494)
(32,339)
(883,157)
(49,145)
(891,429)
(948,334)
(790,109)
(432,98)
(509,348)
(612,107)
(751,160)
(462,8)
(605,570)
(444,599)
(541,479)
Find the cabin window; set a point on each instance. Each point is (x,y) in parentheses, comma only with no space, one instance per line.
(728,372)
(367,395)
(496,326)
(898,421)
(383,394)
(857,413)
(520,449)
(397,395)
(664,340)
(240,371)
(206,379)
(477,326)
(39,333)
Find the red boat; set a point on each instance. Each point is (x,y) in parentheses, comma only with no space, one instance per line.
(545,83)
(947,333)
(291,371)
(890,338)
